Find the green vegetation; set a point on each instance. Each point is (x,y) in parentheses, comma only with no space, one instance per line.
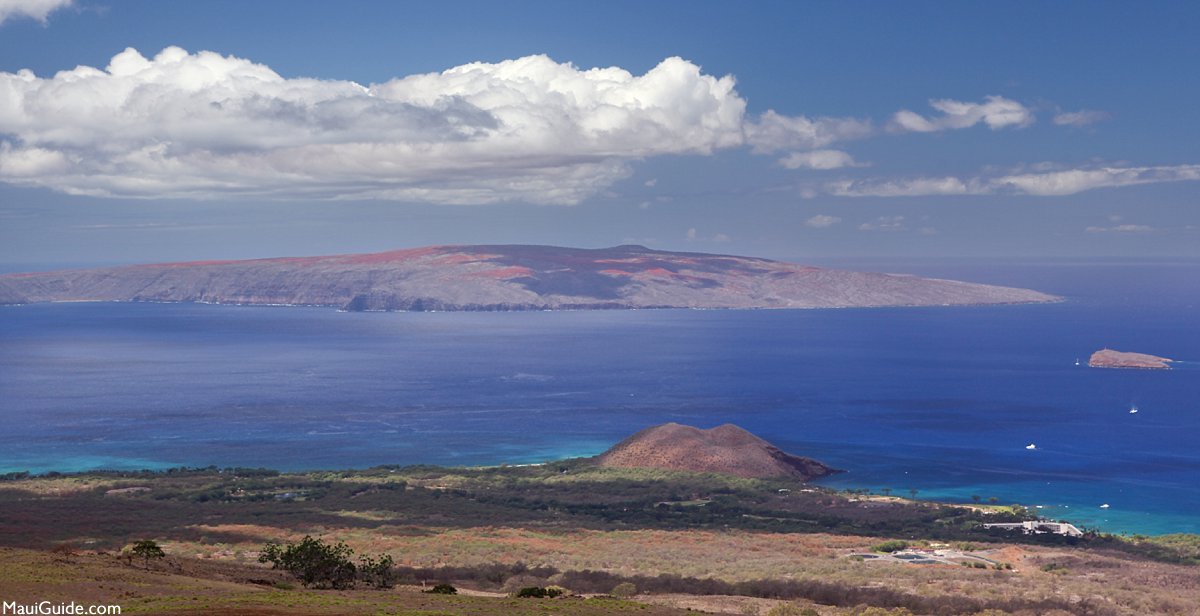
(538,592)
(443,589)
(147,550)
(313,562)
(570,493)
(1178,548)
(320,565)
(623,532)
(624,590)
(377,572)
(888,547)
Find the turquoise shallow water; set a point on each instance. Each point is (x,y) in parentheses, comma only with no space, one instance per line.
(940,400)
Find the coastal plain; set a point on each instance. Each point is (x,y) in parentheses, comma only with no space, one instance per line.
(687,542)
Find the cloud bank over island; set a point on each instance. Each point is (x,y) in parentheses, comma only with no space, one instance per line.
(206,126)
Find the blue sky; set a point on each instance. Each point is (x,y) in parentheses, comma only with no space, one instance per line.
(804,131)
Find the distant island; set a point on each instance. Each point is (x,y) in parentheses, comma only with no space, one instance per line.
(725,449)
(511,277)
(1108,358)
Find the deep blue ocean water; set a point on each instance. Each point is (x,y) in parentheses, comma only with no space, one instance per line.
(939,400)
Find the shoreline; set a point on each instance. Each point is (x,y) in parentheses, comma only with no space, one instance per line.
(866,493)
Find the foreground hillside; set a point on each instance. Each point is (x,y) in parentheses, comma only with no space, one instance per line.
(199,586)
(505,278)
(709,542)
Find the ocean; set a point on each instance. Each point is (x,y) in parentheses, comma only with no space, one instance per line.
(943,401)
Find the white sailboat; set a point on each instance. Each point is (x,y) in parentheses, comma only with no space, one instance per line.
(1133,409)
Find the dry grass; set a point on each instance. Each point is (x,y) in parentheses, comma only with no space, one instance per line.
(1126,585)
(216,543)
(180,586)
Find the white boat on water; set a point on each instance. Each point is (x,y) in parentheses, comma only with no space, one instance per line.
(1031,446)
(1133,409)
(1104,506)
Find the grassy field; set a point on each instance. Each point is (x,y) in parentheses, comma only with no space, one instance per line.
(687,541)
(189,586)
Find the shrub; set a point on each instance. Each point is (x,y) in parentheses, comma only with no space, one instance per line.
(63,551)
(377,573)
(443,589)
(313,562)
(624,590)
(531,592)
(522,580)
(556,591)
(788,609)
(890,546)
(880,611)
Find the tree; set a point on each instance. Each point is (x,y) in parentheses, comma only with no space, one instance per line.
(147,549)
(976,497)
(377,572)
(313,562)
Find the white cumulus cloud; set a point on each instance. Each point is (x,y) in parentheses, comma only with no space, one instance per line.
(32,9)
(995,111)
(822,221)
(1043,184)
(884,223)
(772,132)
(819,159)
(906,187)
(205,125)
(1083,117)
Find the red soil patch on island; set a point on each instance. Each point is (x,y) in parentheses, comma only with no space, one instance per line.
(726,449)
(503,273)
(1108,358)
